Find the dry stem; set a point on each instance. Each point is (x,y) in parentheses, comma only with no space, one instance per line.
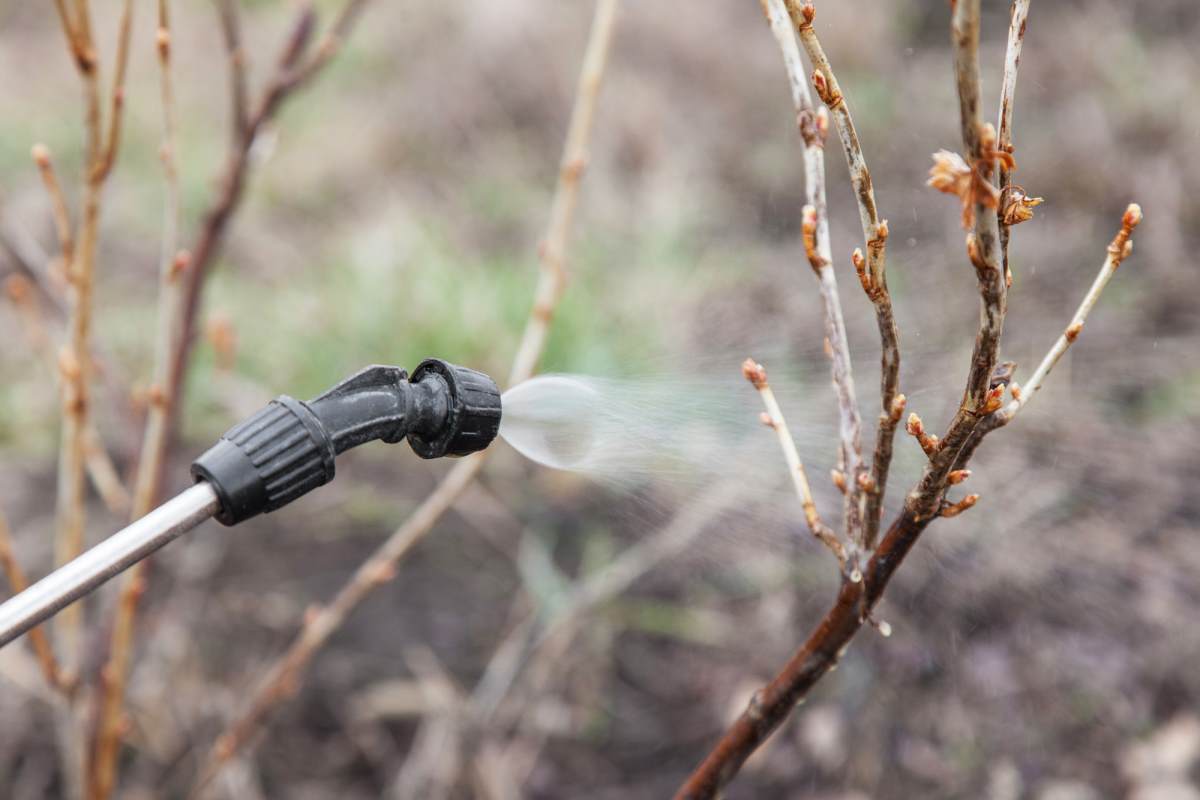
(283,677)
(813,127)
(873,274)
(1004,143)
(17,583)
(100,468)
(231,31)
(757,375)
(1119,249)
(292,70)
(978,416)
(110,724)
(75,360)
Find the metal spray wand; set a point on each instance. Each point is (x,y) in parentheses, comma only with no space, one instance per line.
(278,454)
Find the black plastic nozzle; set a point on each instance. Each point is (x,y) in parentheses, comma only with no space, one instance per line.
(287,449)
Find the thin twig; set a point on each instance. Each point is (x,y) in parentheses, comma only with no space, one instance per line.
(773,419)
(283,678)
(873,271)
(813,126)
(770,706)
(1118,250)
(58,202)
(75,363)
(17,583)
(100,468)
(112,141)
(110,725)
(1004,142)
(215,220)
(231,31)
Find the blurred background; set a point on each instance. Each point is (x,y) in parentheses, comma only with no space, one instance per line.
(1044,643)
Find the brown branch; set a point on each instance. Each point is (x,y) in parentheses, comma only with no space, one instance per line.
(283,678)
(215,220)
(1004,143)
(873,270)
(231,32)
(978,416)
(58,202)
(100,468)
(112,141)
(111,718)
(773,419)
(75,361)
(979,144)
(17,583)
(813,126)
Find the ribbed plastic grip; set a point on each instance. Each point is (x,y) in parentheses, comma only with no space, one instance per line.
(267,460)
(474,411)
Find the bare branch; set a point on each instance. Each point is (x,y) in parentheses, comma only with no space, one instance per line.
(284,676)
(231,32)
(1012,61)
(979,143)
(58,202)
(872,271)
(112,141)
(813,126)
(103,472)
(17,583)
(773,418)
(111,720)
(1118,250)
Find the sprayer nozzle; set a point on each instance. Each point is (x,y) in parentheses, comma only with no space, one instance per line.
(287,449)
(472,417)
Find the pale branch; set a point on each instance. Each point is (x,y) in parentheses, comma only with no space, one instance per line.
(23,291)
(231,32)
(112,140)
(284,676)
(1008,90)
(75,362)
(111,717)
(58,202)
(773,418)
(813,126)
(872,272)
(17,583)
(1118,250)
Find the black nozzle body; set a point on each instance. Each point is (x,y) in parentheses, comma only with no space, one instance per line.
(288,448)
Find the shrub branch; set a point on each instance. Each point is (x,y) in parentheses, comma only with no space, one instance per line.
(282,679)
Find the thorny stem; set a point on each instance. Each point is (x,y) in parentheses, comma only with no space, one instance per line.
(1004,143)
(154,439)
(773,419)
(874,272)
(813,128)
(283,678)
